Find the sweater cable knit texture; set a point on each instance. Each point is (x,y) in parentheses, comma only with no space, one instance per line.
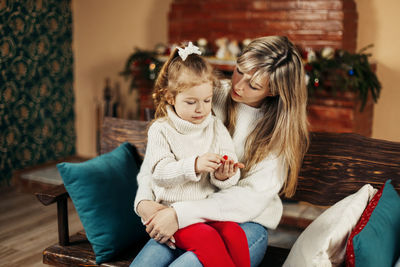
(172,148)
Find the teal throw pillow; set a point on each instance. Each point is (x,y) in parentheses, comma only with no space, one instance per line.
(103,191)
(375,240)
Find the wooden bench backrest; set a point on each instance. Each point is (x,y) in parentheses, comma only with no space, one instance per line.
(335,166)
(117,131)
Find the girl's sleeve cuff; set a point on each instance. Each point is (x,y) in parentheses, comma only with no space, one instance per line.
(226,183)
(189,169)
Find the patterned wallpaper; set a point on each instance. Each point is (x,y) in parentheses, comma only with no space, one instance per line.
(36,76)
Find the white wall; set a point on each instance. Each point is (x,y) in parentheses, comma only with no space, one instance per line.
(379,24)
(104,34)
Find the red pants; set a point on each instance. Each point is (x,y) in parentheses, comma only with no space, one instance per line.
(215,243)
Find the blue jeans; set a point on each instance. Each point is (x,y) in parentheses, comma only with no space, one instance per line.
(156,254)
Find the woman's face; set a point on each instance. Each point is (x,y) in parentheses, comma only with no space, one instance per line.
(243,92)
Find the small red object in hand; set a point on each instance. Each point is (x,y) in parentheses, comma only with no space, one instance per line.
(225,157)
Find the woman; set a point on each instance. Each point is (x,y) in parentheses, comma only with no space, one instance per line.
(265,112)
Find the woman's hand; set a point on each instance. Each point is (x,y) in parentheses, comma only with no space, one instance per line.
(208,162)
(162,225)
(147,208)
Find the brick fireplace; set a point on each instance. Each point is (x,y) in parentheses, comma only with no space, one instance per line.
(308,23)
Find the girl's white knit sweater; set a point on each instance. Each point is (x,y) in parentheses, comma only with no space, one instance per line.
(254,198)
(172,148)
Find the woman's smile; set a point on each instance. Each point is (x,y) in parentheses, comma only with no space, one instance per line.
(234,94)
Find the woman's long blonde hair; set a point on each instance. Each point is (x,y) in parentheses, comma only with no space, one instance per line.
(283,128)
(176,75)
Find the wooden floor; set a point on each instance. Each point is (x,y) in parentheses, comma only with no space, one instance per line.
(27,227)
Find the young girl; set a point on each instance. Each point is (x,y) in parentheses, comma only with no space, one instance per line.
(184,154)
(264,109)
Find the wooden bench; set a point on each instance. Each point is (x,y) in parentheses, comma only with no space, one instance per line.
(335,166)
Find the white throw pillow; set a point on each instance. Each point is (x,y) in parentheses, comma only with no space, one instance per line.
(323,242)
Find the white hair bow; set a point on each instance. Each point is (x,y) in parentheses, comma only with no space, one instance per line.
(188,50)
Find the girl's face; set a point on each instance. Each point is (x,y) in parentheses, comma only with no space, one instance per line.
(194,104)
(243,92)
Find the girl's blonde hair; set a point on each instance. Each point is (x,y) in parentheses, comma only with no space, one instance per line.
(283,128)
(177,75)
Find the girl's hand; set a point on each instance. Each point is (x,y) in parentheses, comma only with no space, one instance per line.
(147,208)
(162,225)
(208,162)
(227,169)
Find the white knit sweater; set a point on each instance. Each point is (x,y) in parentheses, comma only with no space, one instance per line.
(255,197)
(172,148)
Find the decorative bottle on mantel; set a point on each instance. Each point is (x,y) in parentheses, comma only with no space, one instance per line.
(107,98)
(116,107)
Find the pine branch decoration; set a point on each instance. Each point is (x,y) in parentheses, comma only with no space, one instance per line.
(343,71)
(141,65)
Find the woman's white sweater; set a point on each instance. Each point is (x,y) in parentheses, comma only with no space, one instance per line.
(172,148)
(254,198)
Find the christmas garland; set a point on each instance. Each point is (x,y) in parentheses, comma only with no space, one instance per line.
(332,70)
(329,70)
(141,65)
